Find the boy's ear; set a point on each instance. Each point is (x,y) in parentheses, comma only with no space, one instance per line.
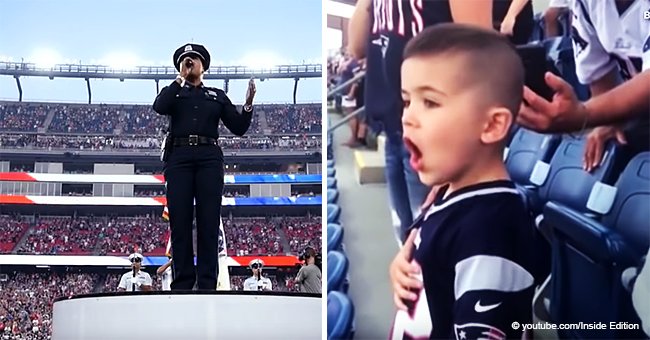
(497,125)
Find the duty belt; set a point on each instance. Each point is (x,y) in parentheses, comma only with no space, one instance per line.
(194,140)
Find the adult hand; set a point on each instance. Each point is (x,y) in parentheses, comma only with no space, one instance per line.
(596,144)
(564,113)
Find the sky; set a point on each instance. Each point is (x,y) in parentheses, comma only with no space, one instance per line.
(147,32)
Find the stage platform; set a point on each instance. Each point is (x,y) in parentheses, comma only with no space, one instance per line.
(188,315)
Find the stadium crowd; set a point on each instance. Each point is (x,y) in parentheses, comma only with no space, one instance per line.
(53,235)
(26,301)
(255,236)
(22,116)
(134,142)
(299,118)
(302,232)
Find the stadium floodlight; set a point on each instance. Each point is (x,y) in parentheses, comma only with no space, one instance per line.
(45,58)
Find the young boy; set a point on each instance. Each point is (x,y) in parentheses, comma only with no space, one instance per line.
(472,273)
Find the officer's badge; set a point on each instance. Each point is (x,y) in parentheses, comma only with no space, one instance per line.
(212,93)
(188,48)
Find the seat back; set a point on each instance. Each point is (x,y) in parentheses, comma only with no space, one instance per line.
(337,269)
(340,316)
(586,286)
(526,148)
(332,196)
(333,212)
(568,183)
(630,215)
(331,183)
(334,236)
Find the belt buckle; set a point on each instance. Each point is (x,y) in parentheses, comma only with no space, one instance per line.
(193,140)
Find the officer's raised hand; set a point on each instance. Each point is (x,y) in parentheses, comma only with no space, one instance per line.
(250,93)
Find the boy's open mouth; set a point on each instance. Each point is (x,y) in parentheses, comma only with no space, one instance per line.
(416,154)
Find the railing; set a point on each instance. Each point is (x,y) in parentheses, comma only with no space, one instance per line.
(338,90)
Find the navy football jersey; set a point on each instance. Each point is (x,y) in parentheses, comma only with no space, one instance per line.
(478,252)
(392,24)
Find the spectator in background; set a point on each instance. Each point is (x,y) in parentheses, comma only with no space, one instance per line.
(556,8)
(514,18)
(382,45)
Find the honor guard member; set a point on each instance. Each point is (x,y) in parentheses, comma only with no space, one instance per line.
(165,272)
(257,281)
(136,280)
(193,163)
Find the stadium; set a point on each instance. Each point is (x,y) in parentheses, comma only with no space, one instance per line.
(594,221)
(81,188)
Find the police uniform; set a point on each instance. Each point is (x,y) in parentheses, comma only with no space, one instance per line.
(253,283)
(135,282)
(194,170)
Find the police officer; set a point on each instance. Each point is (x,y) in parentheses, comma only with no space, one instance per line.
(257,281)
(193,163)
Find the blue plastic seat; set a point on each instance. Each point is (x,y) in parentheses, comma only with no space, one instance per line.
(340,316)
(563,179)
(331,172)
(334,236)
(331,183)
(337,270)
(525,149)
(330,163)
(333,213)
(590,255)
(332,196)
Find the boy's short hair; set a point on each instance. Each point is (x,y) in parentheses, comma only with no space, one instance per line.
(490,59)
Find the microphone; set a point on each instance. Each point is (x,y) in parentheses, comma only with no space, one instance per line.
(133,281)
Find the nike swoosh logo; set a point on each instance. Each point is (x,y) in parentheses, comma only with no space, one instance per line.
(481,309)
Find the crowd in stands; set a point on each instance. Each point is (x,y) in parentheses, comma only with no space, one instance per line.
(141,120)
(54,235)
(84,118)
(26,301)
(133,142)
(255,236)
(12,230)
(22,116)
(300,118)
(122,233)
(103,235)
(302,232)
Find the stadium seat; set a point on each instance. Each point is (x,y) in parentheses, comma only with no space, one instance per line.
(589,256)
(332,196)
(331,183)
(337,269)
(330,163)
(340,316)
(564,181)
(334,236)
(528,147)
(333,212)
(331,172)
